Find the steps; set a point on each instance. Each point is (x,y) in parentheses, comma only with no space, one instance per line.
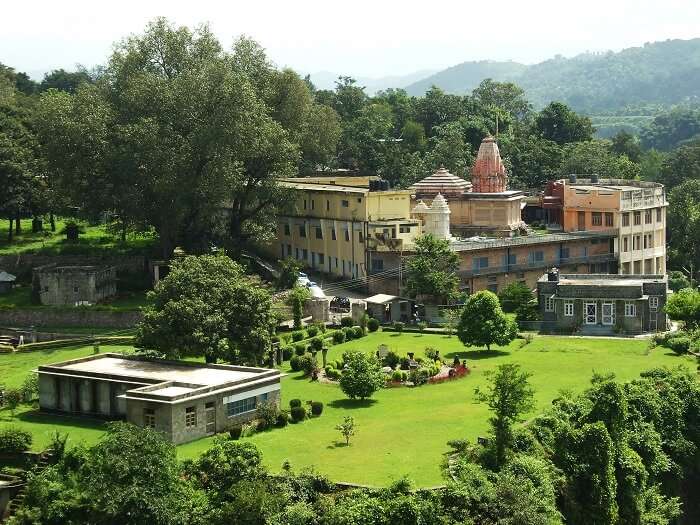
(18,500)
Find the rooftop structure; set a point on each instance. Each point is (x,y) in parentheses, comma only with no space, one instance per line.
(489,173)
(184,400)
(6,281)
(442,182)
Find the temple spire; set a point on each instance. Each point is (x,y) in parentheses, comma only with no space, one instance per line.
(489,173)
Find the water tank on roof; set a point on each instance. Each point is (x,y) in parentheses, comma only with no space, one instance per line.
(572,179)
(553,275)
(372,185)
(594,178)
(385,185)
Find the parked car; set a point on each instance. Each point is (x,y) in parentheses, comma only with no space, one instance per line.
(340,304)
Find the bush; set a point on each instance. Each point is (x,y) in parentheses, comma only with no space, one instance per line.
(432,353)
(398,326)
(680,344)
(317,344)
(307,363)
(294,403)
(14,440)
(372,325)
(363,376)
(349,333)
(333,374)
(295,363)
(357,332)
(282,419)
(339,364)
(312,331)
(422,326)
(397,376)
(391,359)
(316,408)
(298,336)
(338,337)
(346,321)
(300,349)
(267,414)
(287,353)
(298,414)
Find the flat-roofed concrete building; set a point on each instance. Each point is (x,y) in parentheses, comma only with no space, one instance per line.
(73,285)
(602,304)
(183,400)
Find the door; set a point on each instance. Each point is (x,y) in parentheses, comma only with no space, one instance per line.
(210,418)
(609,313)
(590,313)
(582,220)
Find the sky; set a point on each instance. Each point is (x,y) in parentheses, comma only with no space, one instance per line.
(356,37)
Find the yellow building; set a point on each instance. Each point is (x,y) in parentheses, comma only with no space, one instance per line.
(337,223)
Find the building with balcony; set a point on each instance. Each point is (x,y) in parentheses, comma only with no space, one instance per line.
(602,304)
(636,210)
(183,400)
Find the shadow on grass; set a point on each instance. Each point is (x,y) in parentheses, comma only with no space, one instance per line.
(475,355)
(338,444)
(350,404)
(58,420)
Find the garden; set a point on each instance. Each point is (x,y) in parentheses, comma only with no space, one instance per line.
(403,430)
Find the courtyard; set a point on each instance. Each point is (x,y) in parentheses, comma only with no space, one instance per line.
(403,431)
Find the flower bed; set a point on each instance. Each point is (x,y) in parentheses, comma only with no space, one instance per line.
(452,373)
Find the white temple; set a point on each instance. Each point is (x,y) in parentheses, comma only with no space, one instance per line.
(436,218)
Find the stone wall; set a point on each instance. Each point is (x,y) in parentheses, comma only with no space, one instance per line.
(18,318)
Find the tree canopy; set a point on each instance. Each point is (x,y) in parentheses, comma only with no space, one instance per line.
(483,322)
(432,270)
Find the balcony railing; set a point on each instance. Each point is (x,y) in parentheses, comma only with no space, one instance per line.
(509,268)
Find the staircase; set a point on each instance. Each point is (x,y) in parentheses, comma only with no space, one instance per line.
(18,500)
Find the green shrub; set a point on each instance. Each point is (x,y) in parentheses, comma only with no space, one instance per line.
(14,440)
(275,339)
(317,344)
(346,321)
(391,359)
(349,333)
(333,374)
(338,337)
(372,324)
(328,368)
(339,365)
(235,431)
(680,344)
(298,336)
(287,353)
(295,363)
(422,326)
(298,414)
(404,375)
(312,331)
(300,349)
(316,408)
(399,326)
(282,419)
(397,376)
(357,332)
(267,412)
(307,363)
(432,353)
(294,403)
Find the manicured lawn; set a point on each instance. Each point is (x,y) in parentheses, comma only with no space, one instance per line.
(94,240)
(404,431)
(401,431)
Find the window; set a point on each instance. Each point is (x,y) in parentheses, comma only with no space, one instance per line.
(597,218)
(549,304)
(404,229)
(564,253)
(608,219)
(345,204)
(321,259)
(569,309)
(625,244)
(149,418)
(360,237)
(651,240)
(333,234)
(508,259)
(302,230)
(305,254)
(359,199)
(637,218)
(636,242)
(289,250)
(241,406)
(190,417)
(646,243)
(328,205)
(304,203)
(319,232)
(584,251)
(492,288)
(590,313)
(75,289)
(536,257)
(480,262)
(287,230)
(313,204)
(377,265)
(630,309)
(647,216)
(653,303)
(347,235)
(626,219)
(659,214)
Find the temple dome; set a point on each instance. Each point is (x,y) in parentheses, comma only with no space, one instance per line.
(421,207)
(489,173)
(444,182)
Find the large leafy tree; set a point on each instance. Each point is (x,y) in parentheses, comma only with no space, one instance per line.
(483,322)
(505,96)
(684,306)
(63,80)
(684,223)
(362,376)
(680,165)
(432,270)
(206,306)
(558,123)
(595,157)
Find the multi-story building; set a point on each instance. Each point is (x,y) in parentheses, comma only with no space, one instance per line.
(337,223)
(636,210)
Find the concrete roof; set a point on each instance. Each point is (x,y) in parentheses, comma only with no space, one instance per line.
(382,298)
(323,187)
(155,371)
(6,277)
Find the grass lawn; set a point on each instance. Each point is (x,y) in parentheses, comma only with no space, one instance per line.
(401,431)
(404,431)
(95,240)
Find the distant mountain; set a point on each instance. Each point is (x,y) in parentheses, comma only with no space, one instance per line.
(659,73)
(464,77)
(326,80)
